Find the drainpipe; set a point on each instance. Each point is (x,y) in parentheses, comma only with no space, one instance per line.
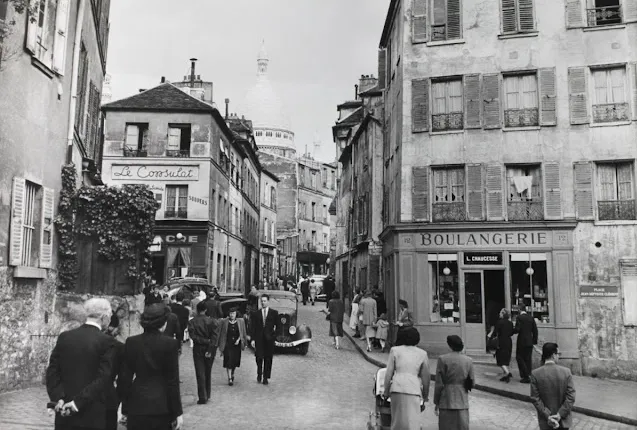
(74,78)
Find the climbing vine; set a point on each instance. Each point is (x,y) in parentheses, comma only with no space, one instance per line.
(64,222)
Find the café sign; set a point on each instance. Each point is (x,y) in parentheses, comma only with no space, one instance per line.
(154,172)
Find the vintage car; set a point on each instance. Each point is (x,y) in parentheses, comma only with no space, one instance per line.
(234,300)
(290,334)
(191,287)
(320,290)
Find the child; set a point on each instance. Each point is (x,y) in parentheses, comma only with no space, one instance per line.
(382,329)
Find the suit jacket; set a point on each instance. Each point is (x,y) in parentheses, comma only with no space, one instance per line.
(224,333)
(336,309)
(526,328)
(451,374)
(552,392)
(172,326)
(151,359)
(367,308)
(113,394)
(182,315)
(407,372)
(204,331)
(328,287)
(264,333)
(213,309)
(80,370)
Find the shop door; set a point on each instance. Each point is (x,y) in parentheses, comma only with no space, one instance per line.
(473,332)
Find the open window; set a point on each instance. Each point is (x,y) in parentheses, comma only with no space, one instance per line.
(603,12)
(179,137)
(136,140)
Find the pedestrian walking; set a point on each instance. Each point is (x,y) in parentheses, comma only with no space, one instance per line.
(152,294)
(335,312)
(232,340)
(203,332)
(172,325)
(183,314)
(313,291)
(305,289)
(526,329)
(213,305)
(81,369)
(407,381)
(367,309)
(552,391)
(112,394)
(253,299)
(454,380)
(382,330)
(381,303)
(150,375)
(329,286)
(263,325)
(353,316)
(502,332)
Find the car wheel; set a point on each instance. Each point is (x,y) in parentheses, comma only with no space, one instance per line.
(303,348)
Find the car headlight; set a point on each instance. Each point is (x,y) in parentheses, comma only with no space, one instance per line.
(292,330)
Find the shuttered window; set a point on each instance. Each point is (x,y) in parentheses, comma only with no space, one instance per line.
(446,20)
(524,192)
(472,101)
(382,66)
(583,178)
(491,100)
(419,21)
(615,191)
(520,101)
(82,84)
(177,202)
(447,105)
(629,291)
(495,192)
(577,93)
(604,12)
(420,105)
(449,194)
(420,194)
(517,16)
(610,98)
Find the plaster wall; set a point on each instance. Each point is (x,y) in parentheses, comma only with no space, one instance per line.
(287,192)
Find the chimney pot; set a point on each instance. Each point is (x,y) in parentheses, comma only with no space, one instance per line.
(163,79)
(227,107)
(355,92)
(198,77)
(141,90)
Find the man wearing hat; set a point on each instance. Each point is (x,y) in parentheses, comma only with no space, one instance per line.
(454,380)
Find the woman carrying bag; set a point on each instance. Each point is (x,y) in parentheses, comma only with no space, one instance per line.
(232,340)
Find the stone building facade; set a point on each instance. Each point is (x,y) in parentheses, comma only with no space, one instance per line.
(267,231)
(510,171)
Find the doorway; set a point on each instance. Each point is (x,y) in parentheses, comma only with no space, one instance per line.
(494,297)
(484,296)
(158,268)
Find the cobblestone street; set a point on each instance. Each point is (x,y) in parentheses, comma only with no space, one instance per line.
(327,389)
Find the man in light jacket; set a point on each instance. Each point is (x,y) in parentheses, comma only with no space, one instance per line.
(367,308)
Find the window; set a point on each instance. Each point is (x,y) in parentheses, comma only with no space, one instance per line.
(325,242)
(82,82)
(324,177)
(517,16)
(445,292)
(524,193)
(273,198)
(278,134)
(529,286)
(521,101)
(313,211)
(258,133)
(302,175)
(314,240)
(176,201)
(447,110)
(325,213)
(136,140)
(178,140)
(449,194)
(46,34)
(604,12)
(610,103)
(268,134)
(446,22)
(313,178)
(615,191)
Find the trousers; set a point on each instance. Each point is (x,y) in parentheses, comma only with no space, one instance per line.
(203,369)
(149,422)
(524,358)
(264,366)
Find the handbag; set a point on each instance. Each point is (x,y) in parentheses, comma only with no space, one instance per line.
(492,343)
(327,317)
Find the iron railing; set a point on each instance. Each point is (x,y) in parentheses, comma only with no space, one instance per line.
(447,121)
(610,112)
(449,212)
(607,15)
(521,117)
(180,213)
(525,211)
(178,153)
(616,210)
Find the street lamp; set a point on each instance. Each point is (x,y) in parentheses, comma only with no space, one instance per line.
(179,236)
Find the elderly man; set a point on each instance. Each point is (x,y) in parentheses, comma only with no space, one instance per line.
(80,371)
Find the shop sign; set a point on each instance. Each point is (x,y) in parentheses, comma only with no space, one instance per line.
(462,240)
(172,238)
(599,291)
(154,172)
(483,258)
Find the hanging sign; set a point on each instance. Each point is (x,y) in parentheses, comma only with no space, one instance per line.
(599,291)
(483,258)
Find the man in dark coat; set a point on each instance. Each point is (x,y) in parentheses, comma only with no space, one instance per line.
(182,314)
(172,326)
(263,325)
(213,306)
(526,329)
(152,294)
(80,370)
(112,394)
(329,286)
(203,331)
(305,289)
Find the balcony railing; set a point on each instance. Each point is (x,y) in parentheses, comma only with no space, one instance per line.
(525,211)
(447,121)
(178,153)
(131,152)
(521,117)
(181,213)
(610,112)
(449,212)
(616,210)
(607,15)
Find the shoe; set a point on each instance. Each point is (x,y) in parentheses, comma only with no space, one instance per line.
(265,381)
(259,379)
(202,402)
(369,349)
(338,347)
(525,380)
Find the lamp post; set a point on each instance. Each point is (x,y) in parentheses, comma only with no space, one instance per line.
(530,272)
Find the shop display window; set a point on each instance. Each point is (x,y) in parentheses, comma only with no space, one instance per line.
(444,291)
(529,286)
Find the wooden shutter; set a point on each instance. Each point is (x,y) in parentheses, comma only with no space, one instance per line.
(491,100)
(94,111)
(420,193)
(509,16)
(174,138)
(454,20)
(472,101)
(577,95)
(629,10)
(548,114)
(552,191)
(132,137)
(475,190)
(526,15)
(574,15)
(628,276)
(32,26)
(46,234)
(419,21)
(18,196)
(633,80)
(583,177)
(382,68)
(59,43)
(420,105)
(90,120)
(495,194)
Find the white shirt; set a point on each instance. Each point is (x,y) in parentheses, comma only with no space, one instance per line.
(265,314)
(94,324)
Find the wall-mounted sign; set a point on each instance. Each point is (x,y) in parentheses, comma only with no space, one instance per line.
(490,239)
(198,200)
(147,172)
(483,258)
(599,291)
(172,238)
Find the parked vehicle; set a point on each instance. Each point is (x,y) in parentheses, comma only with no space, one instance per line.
(191,287)
(318,281)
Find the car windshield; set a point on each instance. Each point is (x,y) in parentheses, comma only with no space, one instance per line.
(283,302)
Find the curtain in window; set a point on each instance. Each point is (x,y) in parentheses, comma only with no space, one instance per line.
(601,87)
(512,92)
(171,198)
(185,253)
(457,185)
(174,138)
(183,198)
(447,97)
(625,181)
(455,96)
(172,252)
(524,183)
(618,93)
(521,92)
(606,174)
(529,91)
(440,186)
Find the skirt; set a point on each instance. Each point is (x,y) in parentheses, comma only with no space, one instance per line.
(370,331)
(232,356)
(405,412)
(503,357)
(453,419)
(336,329)
(353,316)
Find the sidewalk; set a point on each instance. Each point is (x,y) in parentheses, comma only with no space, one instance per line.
(608,399)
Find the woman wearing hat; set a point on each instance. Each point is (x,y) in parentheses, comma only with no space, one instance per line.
(454,380)
(232,341)
(150,375)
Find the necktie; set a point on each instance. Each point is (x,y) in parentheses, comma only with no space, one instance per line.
(264,313)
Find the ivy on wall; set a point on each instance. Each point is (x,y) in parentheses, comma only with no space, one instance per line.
(67,251)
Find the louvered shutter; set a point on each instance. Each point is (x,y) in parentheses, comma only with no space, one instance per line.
(104,27)
(629,291)
(577,95)
(509,16)
(18,196)
(633,80)
(32,26)
(526,15)
(420,105)
(382,68)
(88,136)
(629,10)
(583,177)
(552,191)
(419,21)
(174,139)
(59,43)
(454,21)
(46,234)
(420,194)
(495,194)
(475,191)
(472,101)
(574,15)
(491,100)
(548,114)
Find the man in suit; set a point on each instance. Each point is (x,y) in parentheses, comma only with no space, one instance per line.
(203,331)
(328,288)
(305,289)
(112,394)
(172,326)
(213,306)
(263,325)
(80,370)
(152,294)
(182,314)
(526,328)
(552,391)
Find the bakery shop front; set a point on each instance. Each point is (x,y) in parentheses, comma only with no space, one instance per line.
(457,278)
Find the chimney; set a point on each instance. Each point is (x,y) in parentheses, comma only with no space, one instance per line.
(163,79)
(141,90)
(192,72)
(367,82)
(227,106)
(355,92)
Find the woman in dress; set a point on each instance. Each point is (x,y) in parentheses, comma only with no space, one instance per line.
(353,316)
(407,380)
(232,340)
(335,311)
(503,332)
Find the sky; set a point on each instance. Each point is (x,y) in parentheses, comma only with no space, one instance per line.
(318,50)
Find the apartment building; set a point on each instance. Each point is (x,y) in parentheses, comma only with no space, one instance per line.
(269,255)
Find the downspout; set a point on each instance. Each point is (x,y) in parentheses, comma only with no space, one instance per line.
(74,78)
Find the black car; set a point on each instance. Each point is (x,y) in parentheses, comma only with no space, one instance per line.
(191,287)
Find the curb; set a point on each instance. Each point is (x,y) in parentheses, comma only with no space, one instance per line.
(510,394)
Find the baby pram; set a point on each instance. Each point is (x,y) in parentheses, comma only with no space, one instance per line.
(380,418)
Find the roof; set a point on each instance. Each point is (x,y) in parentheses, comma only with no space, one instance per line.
(332,209)
(271,175)
(165,97)
(391,12)
(350,104)
(374,91)
(352,119)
